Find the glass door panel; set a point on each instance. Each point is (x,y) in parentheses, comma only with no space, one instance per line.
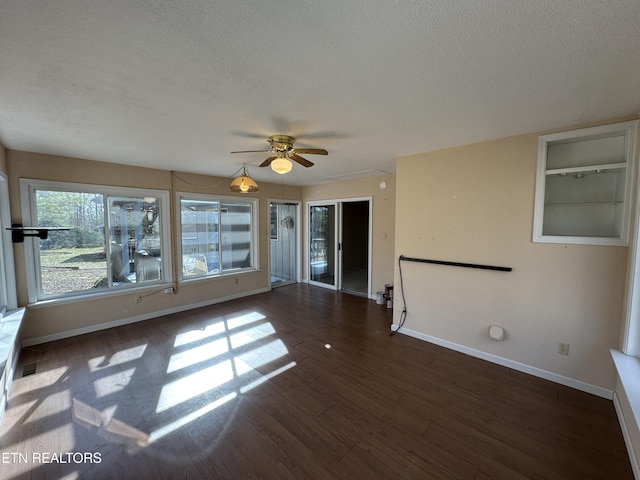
(322,234)
(283,243)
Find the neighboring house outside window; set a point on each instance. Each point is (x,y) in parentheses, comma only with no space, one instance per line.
(217,235)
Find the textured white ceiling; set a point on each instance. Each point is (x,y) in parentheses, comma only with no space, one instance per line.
(180,84)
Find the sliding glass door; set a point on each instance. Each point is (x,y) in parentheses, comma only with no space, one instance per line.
(322,244)
(339,244)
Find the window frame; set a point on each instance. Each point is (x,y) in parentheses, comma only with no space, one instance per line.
(253,202)
(8,293)
(28,188)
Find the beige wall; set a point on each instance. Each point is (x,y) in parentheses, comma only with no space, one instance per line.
(57,318)
(383,228)
(475,204)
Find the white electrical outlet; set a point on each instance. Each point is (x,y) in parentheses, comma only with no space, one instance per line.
(563,348)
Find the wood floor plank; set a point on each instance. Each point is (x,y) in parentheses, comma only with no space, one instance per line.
(309,429)
(404,454)
(300,382)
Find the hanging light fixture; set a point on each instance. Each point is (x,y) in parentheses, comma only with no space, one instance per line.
(281,164)
(244,183)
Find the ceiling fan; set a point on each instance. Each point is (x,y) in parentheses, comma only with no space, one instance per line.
(282,150)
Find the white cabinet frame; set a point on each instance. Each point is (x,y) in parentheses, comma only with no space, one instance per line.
(625,164)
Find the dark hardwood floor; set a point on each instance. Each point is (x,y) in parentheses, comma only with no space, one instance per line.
(297,383)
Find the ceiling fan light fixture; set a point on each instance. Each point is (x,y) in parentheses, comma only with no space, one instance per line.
(281,165)
(244,183)
(282,153)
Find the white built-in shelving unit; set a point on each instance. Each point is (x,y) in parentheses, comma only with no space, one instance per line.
(584,185)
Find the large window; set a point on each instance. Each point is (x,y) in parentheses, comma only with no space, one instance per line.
(217,235)
(116,238)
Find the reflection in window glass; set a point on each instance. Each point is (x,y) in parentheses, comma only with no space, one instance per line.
(200,238)
(216,236)
(236,236)
(134,239)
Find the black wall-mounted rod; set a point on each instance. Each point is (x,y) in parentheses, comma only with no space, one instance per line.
(18,232)
(456,264)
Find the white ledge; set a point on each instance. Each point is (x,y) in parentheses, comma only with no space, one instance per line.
(628,400)
(9,327)
(628,368)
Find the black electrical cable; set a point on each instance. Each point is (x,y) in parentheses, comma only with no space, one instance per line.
(403,315)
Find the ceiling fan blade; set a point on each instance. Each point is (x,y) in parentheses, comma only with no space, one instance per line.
(315,151)
(268,161)
(302,161)
(261,136)
(251,151)
(321,134)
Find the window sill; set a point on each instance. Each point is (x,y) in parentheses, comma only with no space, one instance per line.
(9,328)
(575,240)
(202,278)
(99,295)
(628,369)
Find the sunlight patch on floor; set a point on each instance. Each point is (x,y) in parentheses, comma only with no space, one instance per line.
(190,386)
(54,403)
(40,379)
(118,358)
(186,419)
(266,377)
(220,325)
(264,354)
(198,354)
(110,384)
(105,425)
(227,372)
(209,375)
(242,320)
(250,335)
(200,333)
(71,476)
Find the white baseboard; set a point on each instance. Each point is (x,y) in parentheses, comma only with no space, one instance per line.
(505,362)
(138,318)
(627,438)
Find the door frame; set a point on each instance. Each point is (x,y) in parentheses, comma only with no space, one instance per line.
(337,203)
(297,229)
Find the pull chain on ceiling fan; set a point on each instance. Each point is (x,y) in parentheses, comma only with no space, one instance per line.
(282,150)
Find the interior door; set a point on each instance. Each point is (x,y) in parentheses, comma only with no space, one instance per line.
(322,263)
